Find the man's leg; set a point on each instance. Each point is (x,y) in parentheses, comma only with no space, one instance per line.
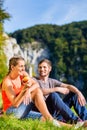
(56,103)
(72,100)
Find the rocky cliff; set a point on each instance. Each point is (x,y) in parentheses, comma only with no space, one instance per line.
(32,52)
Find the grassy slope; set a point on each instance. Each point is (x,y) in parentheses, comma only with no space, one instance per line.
(10,123)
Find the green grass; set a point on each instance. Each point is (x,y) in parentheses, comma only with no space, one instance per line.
(10,123)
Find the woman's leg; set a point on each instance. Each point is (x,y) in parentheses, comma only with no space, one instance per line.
(21,111)
(40,104)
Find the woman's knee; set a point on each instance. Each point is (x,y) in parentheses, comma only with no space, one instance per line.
(36,92)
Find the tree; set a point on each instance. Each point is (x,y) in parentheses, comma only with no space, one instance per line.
(3,16)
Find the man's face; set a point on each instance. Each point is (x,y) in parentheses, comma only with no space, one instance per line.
(44,69)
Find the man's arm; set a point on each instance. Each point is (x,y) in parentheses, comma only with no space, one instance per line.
(62,90)
(81,98)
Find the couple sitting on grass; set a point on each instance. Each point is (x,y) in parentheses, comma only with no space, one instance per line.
(20,95)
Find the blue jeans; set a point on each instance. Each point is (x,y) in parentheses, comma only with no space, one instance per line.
(71,100)
(58,108)
(24,111)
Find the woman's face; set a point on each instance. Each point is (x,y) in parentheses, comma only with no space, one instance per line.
(19,68)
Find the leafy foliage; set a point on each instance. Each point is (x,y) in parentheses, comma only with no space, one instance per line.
(3,66)
(67,44)
(3,16)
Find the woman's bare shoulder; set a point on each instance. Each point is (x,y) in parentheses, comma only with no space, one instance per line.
(6,82)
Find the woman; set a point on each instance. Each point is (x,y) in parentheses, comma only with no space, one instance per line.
(19,96)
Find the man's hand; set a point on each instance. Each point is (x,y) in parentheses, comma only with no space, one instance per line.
(81,99)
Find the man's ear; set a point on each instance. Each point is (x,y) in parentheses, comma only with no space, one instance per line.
(50,68)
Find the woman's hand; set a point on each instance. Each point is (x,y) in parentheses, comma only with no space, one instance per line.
(26,81)
(27,97)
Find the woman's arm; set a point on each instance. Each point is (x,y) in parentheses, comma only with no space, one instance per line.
(8,88)
(32,85)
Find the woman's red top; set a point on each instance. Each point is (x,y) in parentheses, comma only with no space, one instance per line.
(6,102)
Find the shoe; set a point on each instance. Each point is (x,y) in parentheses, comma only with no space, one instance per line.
(55,123)
(1,112)
(81,124)
(85,124)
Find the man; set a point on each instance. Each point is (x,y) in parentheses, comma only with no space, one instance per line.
(51,89)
